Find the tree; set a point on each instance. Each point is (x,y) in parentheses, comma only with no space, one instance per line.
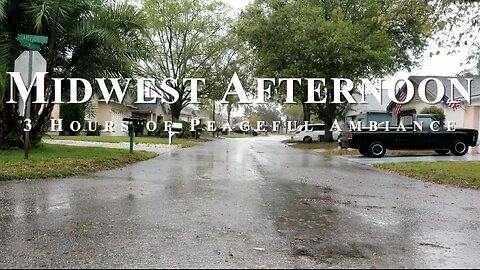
(87,39)
(332,39)
(189,39)
(267,113)
(438,112)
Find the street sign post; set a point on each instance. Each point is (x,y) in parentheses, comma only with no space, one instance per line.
(27,64)
(32,43)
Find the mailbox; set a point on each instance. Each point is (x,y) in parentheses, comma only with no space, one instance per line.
(176,127)
(173,129)
(134,125)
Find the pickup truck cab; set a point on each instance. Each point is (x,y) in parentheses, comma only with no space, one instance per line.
(422,132)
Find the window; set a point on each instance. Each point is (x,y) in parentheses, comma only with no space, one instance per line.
(426,122)
(318,128)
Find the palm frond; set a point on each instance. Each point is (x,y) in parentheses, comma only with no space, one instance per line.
(3,12)
(3,80)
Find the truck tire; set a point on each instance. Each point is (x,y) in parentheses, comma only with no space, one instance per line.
(307,139)
(377,150)
(364,152)
(442,152)
(459,148)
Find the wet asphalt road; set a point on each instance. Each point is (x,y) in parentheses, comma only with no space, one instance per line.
(241,203)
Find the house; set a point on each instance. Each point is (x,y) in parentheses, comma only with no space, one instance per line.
(372,110)
(157,112)
(100,111)
(466,116)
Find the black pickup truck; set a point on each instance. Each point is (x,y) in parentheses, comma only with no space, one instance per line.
(375,143)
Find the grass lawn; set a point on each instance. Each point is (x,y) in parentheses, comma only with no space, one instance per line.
(337,152)
(62,161)
(463,174)
(183,143)
(314,145)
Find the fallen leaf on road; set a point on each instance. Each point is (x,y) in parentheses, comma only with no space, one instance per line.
(261,266)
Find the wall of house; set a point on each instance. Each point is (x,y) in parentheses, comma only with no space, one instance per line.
(472,120)
(112,112)
(56,111)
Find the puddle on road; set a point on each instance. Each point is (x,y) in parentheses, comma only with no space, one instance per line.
(320,228)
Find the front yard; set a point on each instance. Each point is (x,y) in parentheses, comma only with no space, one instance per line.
(182,143)
(459,173)
(464,174)
(62,161)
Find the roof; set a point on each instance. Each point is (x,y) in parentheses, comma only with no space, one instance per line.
(432,88)
(150,108)
(372,104)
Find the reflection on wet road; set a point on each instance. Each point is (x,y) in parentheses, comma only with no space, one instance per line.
(239,203)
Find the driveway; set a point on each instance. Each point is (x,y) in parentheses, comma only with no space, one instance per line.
(240,203)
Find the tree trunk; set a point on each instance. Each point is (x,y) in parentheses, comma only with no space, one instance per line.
(229,112)
(306,112)
(3,128)
(329,118)
(213,116)
(176,110)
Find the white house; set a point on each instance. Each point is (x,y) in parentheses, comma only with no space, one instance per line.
(466,116)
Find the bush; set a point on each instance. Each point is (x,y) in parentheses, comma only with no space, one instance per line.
(185,133)
(14,141)
(438,112)
(71,113)
(96,132)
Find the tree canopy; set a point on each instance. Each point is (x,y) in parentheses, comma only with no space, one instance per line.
(87,39)
(332,39)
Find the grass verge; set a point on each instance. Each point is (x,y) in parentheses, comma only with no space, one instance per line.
(62,161)
(183,143)
(462,174)
(390,153)
(314,145)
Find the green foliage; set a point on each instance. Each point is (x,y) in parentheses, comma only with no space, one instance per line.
(334,39)
(438,112)
(189,39)
(87,39)
(96,132)
(71,113)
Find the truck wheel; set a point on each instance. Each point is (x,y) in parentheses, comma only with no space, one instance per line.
(377,150)
(307,139)
(442,152)
(459,148)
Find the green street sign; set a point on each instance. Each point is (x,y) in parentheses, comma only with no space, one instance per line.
(31,46)
(32,39)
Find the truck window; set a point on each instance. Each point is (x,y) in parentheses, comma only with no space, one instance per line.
(318,128)
(426,122)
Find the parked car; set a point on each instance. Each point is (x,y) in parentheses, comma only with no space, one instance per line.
(376,143)
(314,132)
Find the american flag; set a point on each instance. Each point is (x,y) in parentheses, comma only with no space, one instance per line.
(452,103)
(401,96)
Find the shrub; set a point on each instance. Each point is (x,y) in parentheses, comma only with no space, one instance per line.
(96,132)
(438,112)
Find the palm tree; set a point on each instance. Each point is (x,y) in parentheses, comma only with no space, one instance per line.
(87,39)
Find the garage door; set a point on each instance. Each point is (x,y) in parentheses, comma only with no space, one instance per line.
(117,119)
